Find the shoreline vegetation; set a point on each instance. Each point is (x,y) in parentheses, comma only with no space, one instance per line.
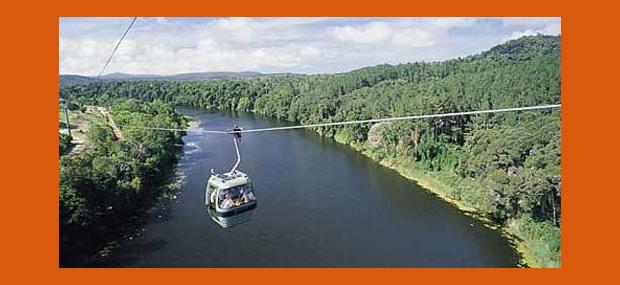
(504,166)
(429,182)
(532,252)
(107,188)
(156,211)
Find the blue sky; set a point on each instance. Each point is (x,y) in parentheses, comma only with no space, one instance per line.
(299,45)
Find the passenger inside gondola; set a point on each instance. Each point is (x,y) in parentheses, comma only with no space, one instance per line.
(248,195)
(236,196)
(227,202)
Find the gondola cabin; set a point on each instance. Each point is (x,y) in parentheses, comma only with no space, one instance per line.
(230,194)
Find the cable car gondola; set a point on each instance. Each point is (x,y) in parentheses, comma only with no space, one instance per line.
(229,196)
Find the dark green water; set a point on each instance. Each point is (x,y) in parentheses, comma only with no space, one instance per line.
(320,204)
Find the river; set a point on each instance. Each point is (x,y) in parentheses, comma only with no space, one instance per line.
(320,204)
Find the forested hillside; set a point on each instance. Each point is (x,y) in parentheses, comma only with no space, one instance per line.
(507,166)
(114,180)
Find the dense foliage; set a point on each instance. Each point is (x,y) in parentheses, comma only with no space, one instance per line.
(506,165)
(64,143)
(111,181)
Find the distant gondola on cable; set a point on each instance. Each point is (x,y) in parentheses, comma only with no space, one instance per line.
(229,196)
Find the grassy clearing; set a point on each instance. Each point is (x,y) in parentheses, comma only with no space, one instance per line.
(80,123)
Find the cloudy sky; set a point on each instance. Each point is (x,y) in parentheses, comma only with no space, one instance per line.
(299,45)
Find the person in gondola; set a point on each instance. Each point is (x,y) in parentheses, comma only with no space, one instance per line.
(247,195)
(228,202)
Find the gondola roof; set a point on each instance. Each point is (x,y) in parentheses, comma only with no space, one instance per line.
(228,180)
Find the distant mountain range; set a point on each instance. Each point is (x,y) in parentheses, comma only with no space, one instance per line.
(79,79)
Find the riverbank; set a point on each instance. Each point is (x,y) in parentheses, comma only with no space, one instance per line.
(434,185)
(106,189)
(136,226)
(158,211)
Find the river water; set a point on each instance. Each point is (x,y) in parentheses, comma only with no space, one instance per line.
(320,204)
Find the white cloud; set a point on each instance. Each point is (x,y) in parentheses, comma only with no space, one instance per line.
(307,45)
(81,56)
(373,32)
(413,38)
(86,56)
(530,26)
(529,21)
(450,22)
(404,32)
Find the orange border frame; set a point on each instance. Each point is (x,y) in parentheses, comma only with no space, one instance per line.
(30,191)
